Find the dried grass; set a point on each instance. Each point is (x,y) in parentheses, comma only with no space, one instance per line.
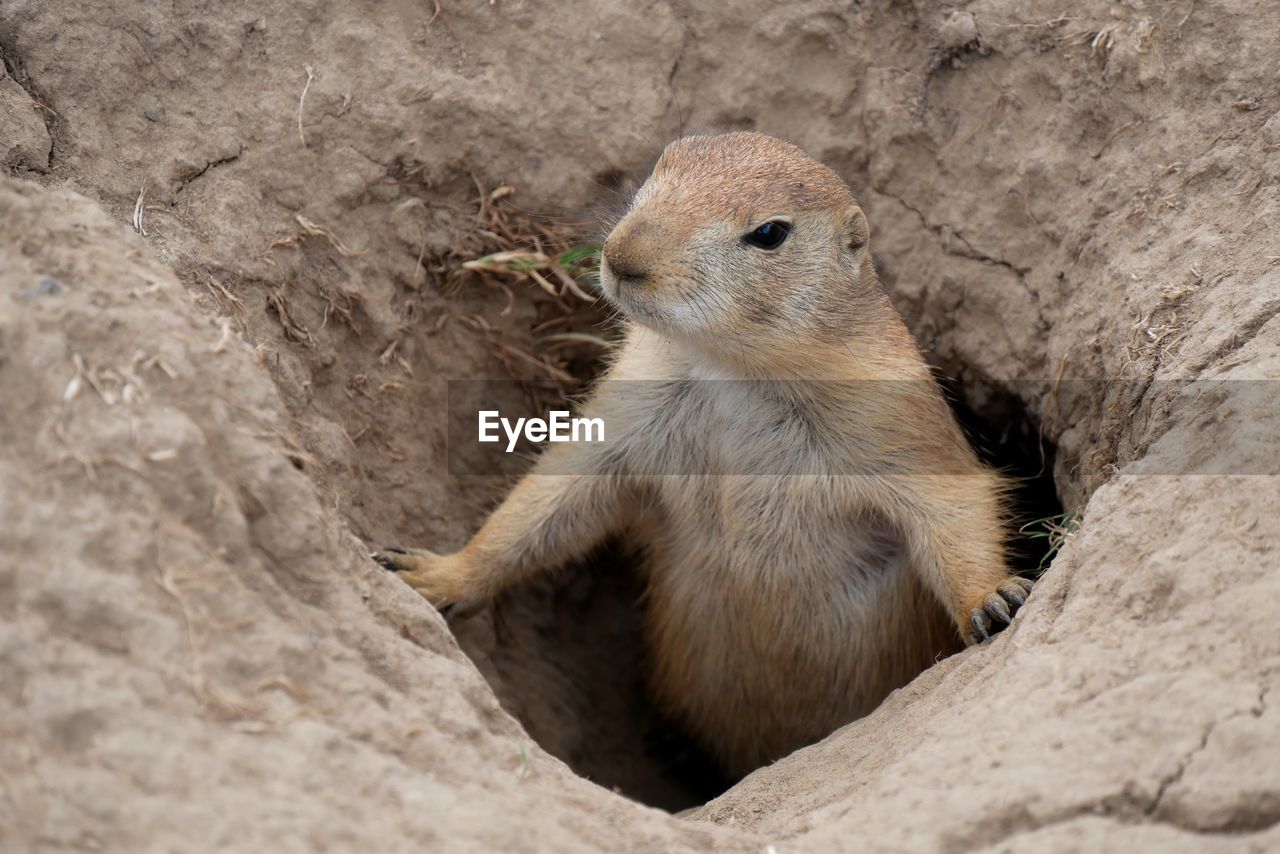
(527,258)
(307,228)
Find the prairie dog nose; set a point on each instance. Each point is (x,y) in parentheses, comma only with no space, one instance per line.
(624,268)
(629,250)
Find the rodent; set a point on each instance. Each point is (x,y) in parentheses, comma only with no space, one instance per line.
(857,536)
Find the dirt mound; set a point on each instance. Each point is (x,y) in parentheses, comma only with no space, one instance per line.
(203,426)
(197,652)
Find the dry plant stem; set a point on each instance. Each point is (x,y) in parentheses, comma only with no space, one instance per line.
(139,210)
(302,100)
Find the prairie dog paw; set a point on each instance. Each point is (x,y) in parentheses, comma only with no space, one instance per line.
(438,578)
(997,608)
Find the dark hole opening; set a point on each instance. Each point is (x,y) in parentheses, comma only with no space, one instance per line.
(1006,438)
(566,657)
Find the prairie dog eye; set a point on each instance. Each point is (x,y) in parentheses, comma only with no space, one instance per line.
(770,235)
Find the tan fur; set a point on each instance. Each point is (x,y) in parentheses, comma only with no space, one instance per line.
(852,537)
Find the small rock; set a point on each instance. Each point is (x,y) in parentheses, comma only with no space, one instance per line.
(48,287)
(957,30)
(153,110)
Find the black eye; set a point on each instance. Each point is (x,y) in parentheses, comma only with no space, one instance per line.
(770,235)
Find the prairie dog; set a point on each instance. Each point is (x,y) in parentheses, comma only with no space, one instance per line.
(857,536)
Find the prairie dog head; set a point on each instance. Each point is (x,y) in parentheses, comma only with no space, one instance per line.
(740,241)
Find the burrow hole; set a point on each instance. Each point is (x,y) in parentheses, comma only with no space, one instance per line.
(566,656)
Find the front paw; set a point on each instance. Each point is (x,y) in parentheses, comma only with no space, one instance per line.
(997,608)
(440,579)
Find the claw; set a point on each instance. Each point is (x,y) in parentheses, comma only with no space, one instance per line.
(981,624)
(996,607)
(386,562)
(1014,595)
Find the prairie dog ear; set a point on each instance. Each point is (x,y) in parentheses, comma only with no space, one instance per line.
(856,230)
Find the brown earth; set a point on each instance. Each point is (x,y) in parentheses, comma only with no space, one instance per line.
(202,428)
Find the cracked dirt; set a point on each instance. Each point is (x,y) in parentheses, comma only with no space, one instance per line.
(202,429)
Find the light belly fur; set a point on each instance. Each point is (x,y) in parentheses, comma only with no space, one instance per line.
(766,637)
